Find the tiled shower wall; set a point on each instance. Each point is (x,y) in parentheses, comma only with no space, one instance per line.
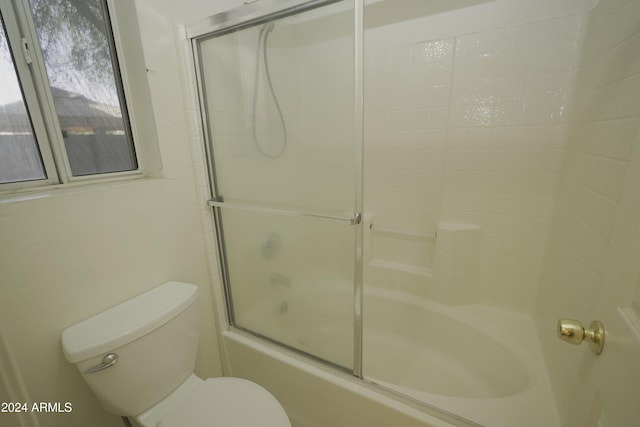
(470,130)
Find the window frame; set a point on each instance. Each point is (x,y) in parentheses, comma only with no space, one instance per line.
(38,98)
(11,22)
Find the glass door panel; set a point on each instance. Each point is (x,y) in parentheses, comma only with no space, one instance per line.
(279,98)
(292,281)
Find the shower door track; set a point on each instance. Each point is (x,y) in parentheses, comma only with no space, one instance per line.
(250,14)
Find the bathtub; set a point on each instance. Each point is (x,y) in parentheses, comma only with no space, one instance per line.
(478,362)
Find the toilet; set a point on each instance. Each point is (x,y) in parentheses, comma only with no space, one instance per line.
(138,359)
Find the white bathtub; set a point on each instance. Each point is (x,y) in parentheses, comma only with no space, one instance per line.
(481,363)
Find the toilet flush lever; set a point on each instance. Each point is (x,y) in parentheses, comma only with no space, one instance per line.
(573,332)
(107,361)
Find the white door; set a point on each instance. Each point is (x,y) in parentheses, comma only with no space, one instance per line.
(609,390)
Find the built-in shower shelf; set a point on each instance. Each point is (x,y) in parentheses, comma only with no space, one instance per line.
(406,268)
(395,248)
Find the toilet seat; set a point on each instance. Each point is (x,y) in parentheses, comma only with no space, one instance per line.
(226,402)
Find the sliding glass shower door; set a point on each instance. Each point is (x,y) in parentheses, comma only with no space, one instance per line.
(278,94)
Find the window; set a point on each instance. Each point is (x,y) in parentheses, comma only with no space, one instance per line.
(63,115)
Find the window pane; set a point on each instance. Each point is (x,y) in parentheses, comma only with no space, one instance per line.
(74,38)
(19,153)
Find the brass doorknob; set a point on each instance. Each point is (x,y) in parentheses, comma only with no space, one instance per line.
(573,332)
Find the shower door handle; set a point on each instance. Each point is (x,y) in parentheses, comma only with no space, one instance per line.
(354,219)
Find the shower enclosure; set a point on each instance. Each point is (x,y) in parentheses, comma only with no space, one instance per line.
(285,155)
(399,190)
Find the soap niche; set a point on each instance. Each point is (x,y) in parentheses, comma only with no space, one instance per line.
(441,265)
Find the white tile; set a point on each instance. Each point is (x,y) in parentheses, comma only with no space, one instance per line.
(189,96)
(481,44)
(511,89)
(512,64)
(438,118)
(404,196)
(532,137)
(509,114)
(553,31)
(410,159)
(380,59)
(547,86)
(590,246)
(390,100)
(417,76)
(405,139)
(613,139)
(554,58)
(410,217)
(473,70)
(604,11)
(416,178)
(530,160)
(418,53)
(440,72)
(533,183)
(459,139)
(548,111)
(516,39)
(619,100)
(434,50)
(475,93)
(430,97)
(400,56)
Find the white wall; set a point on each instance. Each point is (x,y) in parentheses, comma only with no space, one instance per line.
(72,253)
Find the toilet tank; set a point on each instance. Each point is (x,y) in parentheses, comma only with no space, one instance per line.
(155,339)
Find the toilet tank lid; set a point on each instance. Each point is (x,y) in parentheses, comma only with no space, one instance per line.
(126,322)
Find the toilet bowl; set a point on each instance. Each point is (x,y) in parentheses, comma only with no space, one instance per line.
(225,402)
(138,359)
